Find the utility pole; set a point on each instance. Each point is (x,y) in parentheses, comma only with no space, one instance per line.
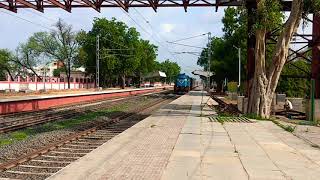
(97,60)
(239,54)
(209,57)
(239,57)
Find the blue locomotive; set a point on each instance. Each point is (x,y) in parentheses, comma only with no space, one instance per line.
(183,84)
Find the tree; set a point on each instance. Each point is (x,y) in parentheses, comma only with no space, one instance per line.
(292,81)
(59,44)
(6,66)
(266,77)
(27,57)
(172,69)
(57,72)
(122,52)
(224,55)
(147,56)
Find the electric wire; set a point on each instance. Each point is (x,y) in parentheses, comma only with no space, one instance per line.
(26,20)
(149,33)
(189,38)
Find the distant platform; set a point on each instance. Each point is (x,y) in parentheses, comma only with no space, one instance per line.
(183,141)
(42,102)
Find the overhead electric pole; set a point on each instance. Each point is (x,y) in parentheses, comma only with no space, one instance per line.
(209,58)
(239,66)
(97,60)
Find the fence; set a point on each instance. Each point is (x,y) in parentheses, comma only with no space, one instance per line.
(48,83)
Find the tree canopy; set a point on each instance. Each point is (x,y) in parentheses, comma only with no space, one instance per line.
(172,69)
(224,53)
(122,52)
(59,44)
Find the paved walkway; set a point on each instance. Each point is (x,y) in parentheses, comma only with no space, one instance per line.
(177,142)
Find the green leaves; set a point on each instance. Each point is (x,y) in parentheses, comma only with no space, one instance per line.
(269,15)
(122,51)
(295,87)
(172,69)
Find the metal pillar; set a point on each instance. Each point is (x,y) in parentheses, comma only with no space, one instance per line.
(315,65)
(97,61)
(251,42)
(209,59)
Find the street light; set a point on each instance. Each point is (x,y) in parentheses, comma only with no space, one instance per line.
(239,54)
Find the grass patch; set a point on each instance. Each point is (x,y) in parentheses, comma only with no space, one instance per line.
(308,123)
(220,119)
(4,141)
(20,135)
(288,128)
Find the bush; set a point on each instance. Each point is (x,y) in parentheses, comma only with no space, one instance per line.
(56,72)
(232,86)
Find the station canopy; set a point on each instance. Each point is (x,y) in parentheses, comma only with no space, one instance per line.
(202,73)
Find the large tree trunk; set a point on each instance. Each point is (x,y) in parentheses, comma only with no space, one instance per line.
(69,73)
(123,81)
(266,79)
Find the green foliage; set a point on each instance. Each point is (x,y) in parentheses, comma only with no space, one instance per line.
(59,44)
(172,69)
(56,72)
(122,52)
(224,55)
(288,128)
(269,15)
(5,63)
(232,86)
(295,87)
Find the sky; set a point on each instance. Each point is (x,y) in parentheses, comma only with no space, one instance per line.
(168,24)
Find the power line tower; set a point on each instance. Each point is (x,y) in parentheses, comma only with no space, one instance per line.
(97,60)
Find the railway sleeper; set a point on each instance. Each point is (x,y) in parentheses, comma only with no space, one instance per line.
(49,161)
(88,142)
(22,175)
(71,150)
(97,142)
(46,163)
(71,146)
(63,152)
(57,158)
(66,154)
(34,169)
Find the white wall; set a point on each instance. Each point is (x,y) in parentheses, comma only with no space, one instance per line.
(40,85)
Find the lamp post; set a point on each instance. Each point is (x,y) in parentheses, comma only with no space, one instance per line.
(239,55)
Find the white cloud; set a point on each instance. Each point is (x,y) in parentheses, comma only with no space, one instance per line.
(167,28)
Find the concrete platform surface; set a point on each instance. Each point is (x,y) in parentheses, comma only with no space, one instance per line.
(180,142)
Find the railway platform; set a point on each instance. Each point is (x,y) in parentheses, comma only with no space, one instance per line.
(182,140)
(43,102)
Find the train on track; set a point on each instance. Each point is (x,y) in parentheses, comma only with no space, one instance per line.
(184,84)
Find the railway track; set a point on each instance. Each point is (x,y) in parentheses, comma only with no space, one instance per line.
(44,162)
(224,107)
(14,122)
